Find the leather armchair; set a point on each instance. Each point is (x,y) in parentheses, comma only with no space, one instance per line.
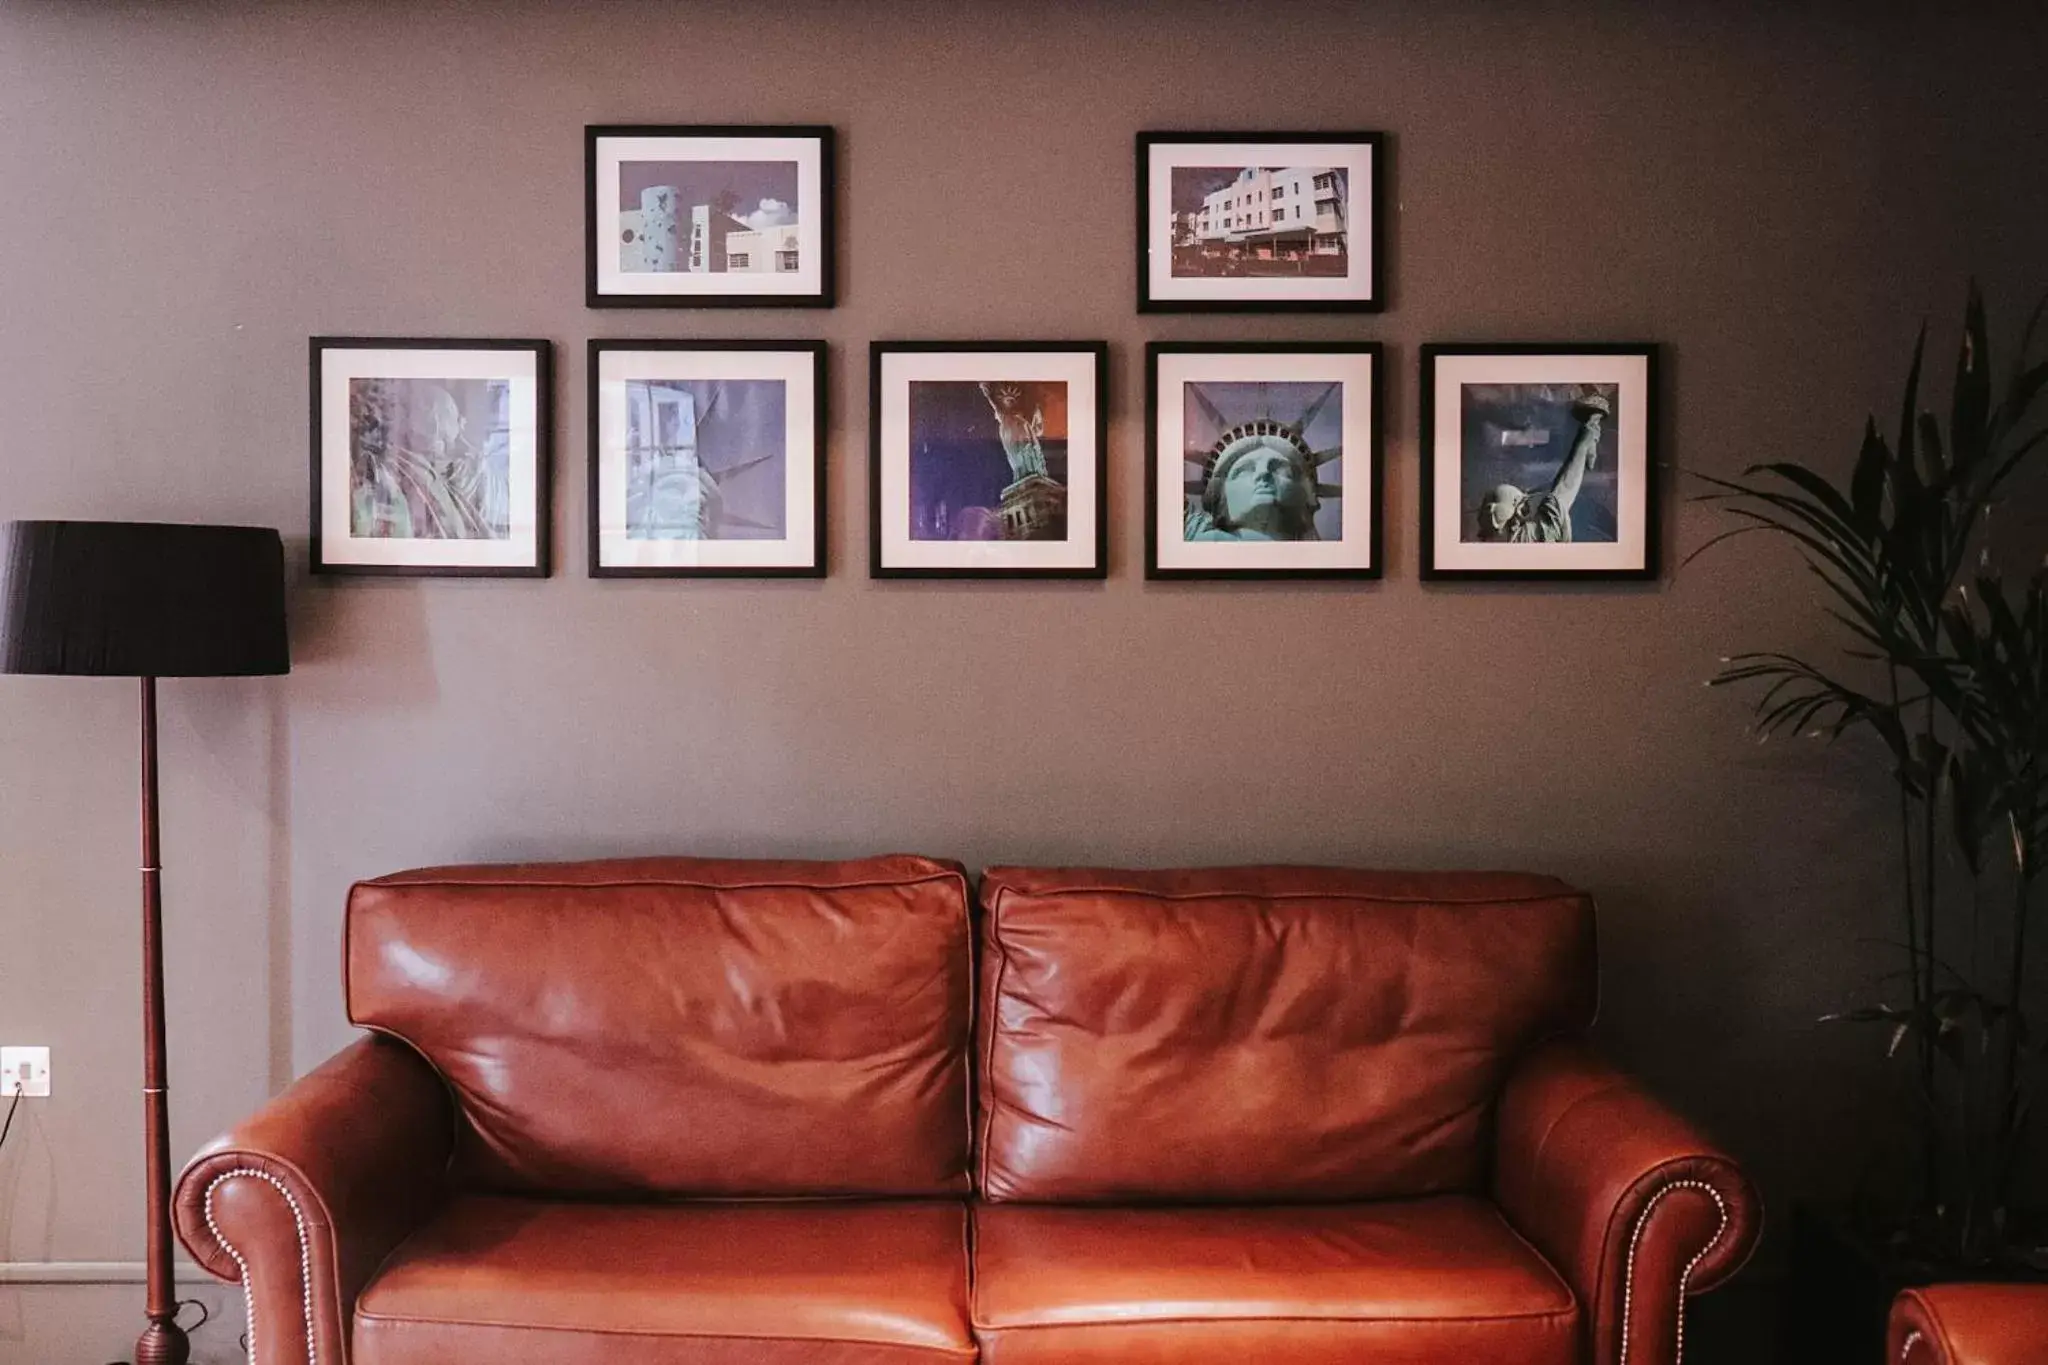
(304,1200)
(1969,1324)
(1634,1208)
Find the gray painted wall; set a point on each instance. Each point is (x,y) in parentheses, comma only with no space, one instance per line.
(187,191)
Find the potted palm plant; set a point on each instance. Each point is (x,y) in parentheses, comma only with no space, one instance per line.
(1941,655)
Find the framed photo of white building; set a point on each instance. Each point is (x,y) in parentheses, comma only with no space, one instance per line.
(702,217)
(707,459)
(1260,222)
(988,459)
(1265,460)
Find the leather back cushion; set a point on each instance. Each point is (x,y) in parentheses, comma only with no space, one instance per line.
(1261,1034)
(682,1026)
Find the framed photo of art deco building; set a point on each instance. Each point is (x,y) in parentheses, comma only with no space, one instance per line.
(1539,461)
(1265,460)
(707,459)
(430,456)
(703,217)
(1260,222)
(987,459)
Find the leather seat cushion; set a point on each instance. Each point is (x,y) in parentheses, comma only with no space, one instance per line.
(1443,1279)
(683,1284)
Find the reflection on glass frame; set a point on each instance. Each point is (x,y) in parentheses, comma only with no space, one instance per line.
(1260,222)
(1539,461)
(1264,460)
(706,217)
(987,459)
(707,459)
(430,456)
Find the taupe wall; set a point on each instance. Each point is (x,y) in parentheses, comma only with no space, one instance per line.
(188,190)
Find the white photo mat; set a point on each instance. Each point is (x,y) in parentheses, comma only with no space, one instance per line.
(1355,286)
(899,369)
(806,152)
(1628,552)
(797,370)
(1354,370)
(339,546)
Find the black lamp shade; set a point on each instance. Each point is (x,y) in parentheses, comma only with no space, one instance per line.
(141,600)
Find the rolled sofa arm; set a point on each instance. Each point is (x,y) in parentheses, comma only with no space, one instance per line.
(304,1200)
(1969,1324)
(1632,1206)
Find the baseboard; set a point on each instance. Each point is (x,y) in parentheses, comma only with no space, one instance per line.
(94,1272)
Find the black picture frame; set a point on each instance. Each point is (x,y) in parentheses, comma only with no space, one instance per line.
(1375,480)
(1375,194)
(827,138)
(544,418)
(1098,351)
(821,427)
(1651,567)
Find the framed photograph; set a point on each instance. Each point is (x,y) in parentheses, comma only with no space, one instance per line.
(430,456)
(708,217)
(987,459)
(707,459)
(1265,460)
(1539,461)
(1260,222)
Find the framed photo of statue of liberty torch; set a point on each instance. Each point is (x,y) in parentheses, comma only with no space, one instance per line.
(1265,460)
(1539,461)
(707,459)
(987,459)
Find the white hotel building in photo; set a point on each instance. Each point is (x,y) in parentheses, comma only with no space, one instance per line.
(1278,212)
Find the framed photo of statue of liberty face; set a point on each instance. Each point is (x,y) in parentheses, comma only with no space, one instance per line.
(987,459)
(707,459)
(1539,461)
(702,217)
(1265,460)
(430,456)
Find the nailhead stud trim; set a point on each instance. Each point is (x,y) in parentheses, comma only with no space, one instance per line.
(1913,1338)
(1628,1282)
(305,1258)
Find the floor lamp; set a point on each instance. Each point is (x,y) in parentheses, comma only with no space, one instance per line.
(147,601)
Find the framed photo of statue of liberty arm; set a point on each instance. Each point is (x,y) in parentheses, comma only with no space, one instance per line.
(987,459)
(1264,460)
(430,456)
(1539,461)
(686,216)
(1261,222)
(707,459)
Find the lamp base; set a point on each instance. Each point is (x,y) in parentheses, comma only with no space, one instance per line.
(163,1343)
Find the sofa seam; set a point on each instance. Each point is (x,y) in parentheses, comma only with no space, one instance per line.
(987,1100)
(404,1320)
(1183,1320)
(622,882)
(1565,893)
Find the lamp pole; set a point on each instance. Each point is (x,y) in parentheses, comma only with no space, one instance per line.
(163,1342)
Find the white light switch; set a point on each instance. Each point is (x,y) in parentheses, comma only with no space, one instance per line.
(26,1067)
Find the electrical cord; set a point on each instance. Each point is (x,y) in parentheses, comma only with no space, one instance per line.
(19,1090)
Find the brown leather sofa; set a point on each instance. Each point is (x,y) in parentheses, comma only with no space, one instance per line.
(679,1112)
(1970,1324)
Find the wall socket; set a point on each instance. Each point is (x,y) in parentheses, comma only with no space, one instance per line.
(27,1067)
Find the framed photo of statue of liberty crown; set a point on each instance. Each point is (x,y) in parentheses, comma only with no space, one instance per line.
(987,459)
(430,456)
(707,459)
(1260,222)
(708,217)
(1539,461)
(1265,460)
